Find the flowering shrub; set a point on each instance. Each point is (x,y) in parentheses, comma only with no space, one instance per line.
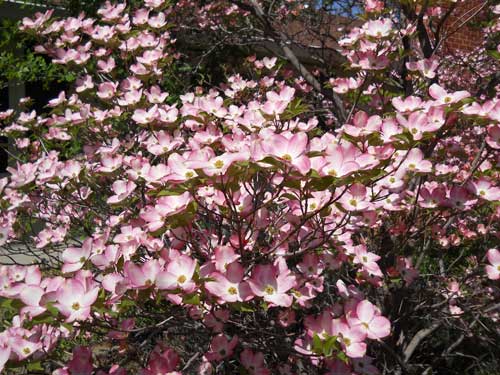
(231,228)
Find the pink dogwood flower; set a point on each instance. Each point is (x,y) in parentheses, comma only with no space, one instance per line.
(75,257)
(363,125)
(290,149)
(229,287)
(223,257)
(24,347)
(408,104)
(443,97)
(254,362)
(178,274)
(144,117)
(272,282)
(368,319)
(144,276)
(426,66)
(161,143)
(368,260)
(164,207)
(352,340)
(162,362)
(493,138)
(493,269)
(81,363)
(374,5)
(380,28)
(74,300)
(122,190)
(418,124)
(355,198)
(484,189)
(107,90)
(277,103)
(221,348)
(415,162)
(340,161)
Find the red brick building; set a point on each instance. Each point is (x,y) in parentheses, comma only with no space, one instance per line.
(462,28)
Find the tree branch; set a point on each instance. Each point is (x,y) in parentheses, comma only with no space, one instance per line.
(284,44)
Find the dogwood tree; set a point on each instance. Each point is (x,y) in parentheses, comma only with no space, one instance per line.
(261,215)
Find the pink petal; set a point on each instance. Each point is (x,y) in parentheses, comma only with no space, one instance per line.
(283,300)
(437,91)
(494,256)
(356,350)
(89,298)
(493,272)
(365,311)
(31,295)
(166,280)
(4,356)
(379,327)
(135,274)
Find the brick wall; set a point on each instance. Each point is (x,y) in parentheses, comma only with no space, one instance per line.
(469,36)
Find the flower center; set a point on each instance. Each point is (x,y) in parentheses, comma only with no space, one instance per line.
(232,290)
(269,289)
(181,279)
(219,164)
(75,306)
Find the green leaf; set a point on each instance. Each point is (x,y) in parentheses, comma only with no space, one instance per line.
(405,138)
(165,192)
(295,108)
(321,184)
(342,356)
(51,309)
(68,326)
(317,346)
(12,304)
(243,307)
(35,366)
(325,347)
(494,53)
(330,345)
(191,299)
